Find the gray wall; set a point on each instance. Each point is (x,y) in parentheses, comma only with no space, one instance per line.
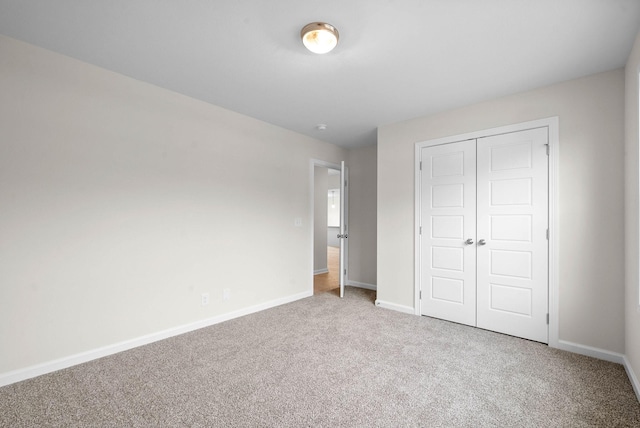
(334,180)
(332,236)
(122,203)
(362,211)
(591,207)
(320,182)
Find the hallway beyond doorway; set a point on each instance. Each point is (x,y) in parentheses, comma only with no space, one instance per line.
(328,281)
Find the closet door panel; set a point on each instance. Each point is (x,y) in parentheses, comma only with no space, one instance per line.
(447,282)
(512,210)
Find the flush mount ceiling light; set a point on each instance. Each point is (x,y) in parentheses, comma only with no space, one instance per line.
(319,37)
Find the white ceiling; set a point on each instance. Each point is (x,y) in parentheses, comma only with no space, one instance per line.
(396,59)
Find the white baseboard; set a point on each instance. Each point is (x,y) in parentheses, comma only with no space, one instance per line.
(632,377)
(320,271)
(590,351)
(395,307)
(362,285)
(83,357)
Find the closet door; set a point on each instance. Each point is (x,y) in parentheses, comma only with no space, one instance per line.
(512,251)
(447,241)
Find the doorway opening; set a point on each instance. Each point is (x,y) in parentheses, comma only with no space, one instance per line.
(330,280)
(330,219)
(326,244)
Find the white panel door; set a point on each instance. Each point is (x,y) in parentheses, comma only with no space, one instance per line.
(448,222)
(344,229)
(512,247)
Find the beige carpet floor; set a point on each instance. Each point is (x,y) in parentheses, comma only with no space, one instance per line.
(328,362)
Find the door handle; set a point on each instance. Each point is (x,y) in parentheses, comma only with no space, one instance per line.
(482,242)
(468,241)
(343,236)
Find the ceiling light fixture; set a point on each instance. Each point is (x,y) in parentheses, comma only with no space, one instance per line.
(319,37)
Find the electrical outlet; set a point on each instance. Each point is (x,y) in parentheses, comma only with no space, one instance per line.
(205,299)
(297,222)
(226,294)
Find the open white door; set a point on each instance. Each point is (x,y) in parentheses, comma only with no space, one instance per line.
(344,230)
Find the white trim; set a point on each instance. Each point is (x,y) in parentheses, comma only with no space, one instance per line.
(552,124)
(417,250)
(516,127)
(590,351)
(394,307)
(632,377)
(320,271)
(637,288)
(362,285)
(83,357)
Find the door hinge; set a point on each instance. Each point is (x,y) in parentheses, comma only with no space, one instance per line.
(420,165)
(420,294)
(547,319)
(547,234)
(420,230)
(547,145)
(345,271)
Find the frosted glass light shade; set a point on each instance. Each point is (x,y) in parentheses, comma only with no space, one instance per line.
(319,37)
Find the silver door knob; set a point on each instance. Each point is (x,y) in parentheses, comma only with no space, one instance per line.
(482,242)
(468,241)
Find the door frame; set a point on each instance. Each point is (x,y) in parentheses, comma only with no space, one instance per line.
(552,125)
(312,164)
